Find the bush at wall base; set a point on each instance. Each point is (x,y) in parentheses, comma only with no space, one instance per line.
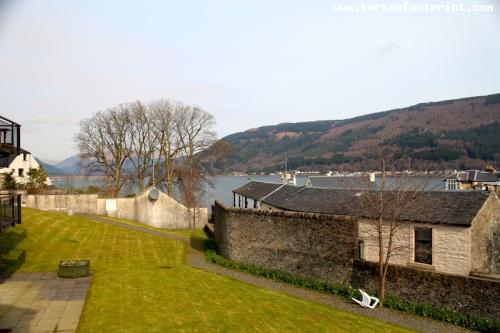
(438,313)
(73,268)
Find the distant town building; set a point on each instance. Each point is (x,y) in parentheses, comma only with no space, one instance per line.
(473,180)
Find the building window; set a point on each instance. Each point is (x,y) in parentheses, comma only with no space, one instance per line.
(452,184)
(20,172)
(423,245)
(25,157)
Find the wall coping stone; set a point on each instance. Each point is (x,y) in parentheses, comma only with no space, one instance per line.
(283,213)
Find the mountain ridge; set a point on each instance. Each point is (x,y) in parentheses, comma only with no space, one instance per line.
(435,135)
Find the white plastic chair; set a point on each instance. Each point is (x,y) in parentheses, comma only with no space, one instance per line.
(367,300)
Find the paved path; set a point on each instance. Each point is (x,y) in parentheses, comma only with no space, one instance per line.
(196,259)
(41,302)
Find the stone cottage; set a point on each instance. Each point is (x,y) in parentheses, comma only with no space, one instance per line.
(447,232)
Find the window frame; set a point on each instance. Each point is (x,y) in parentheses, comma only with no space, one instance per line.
(417,243)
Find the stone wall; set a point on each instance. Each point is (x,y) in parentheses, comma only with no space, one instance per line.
(78,203)
(165,212)
(308,245)
(485,238)
(461,293)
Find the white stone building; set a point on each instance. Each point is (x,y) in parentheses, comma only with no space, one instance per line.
(20,165)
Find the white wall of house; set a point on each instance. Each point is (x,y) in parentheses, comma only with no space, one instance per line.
(21,165)
(451,246)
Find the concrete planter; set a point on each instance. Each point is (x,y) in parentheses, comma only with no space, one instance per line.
(74,268)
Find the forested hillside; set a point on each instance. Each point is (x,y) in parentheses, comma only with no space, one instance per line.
(462,133)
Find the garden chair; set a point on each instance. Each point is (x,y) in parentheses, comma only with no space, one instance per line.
(367,300)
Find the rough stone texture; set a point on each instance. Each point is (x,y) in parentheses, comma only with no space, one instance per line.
(485,238)
(450,246)
(309,245)
(461,293)
(165,212)
(401,241)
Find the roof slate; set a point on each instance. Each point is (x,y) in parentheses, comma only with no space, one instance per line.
(256,190)
(439,207)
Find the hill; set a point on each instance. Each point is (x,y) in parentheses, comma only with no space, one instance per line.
(51,169)
(69,166)
(461,133)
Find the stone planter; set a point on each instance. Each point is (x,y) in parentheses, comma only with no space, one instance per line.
(74,268)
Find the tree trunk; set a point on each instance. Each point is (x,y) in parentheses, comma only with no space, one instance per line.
(381,289)
(381,275)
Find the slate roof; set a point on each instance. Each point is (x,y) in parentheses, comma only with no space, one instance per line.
(363,183)
(482,176)
(340,182)
(470,176)
(450,207)
(256,190)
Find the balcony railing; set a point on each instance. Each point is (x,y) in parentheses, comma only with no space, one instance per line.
(10,138)
(10,210)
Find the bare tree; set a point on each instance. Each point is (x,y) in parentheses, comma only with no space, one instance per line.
(386,205)
(161,135)
(165,115)
(143,141)
(102,143)
(195,128)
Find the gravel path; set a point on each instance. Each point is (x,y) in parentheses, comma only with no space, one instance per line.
(196,259)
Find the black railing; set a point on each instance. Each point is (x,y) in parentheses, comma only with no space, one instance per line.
(10,138)
(10,210)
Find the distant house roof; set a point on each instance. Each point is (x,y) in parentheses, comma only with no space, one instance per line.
(470,176)
(453,208)
(256,190)
(483,176)
(363,182)
(339,182)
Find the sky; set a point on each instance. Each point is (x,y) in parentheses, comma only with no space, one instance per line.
(249,63)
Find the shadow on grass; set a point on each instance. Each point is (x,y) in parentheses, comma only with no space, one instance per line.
(197,243)
(11,258)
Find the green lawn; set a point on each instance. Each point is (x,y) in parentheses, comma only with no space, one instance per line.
(142,284)
(180,232)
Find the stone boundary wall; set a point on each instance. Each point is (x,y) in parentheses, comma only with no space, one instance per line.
(324,247)
(309,245)
(165,212)
(78,203)
(465,294)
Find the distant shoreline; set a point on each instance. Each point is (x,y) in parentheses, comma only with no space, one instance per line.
(77,177)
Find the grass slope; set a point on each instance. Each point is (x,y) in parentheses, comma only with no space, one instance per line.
(142,284)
